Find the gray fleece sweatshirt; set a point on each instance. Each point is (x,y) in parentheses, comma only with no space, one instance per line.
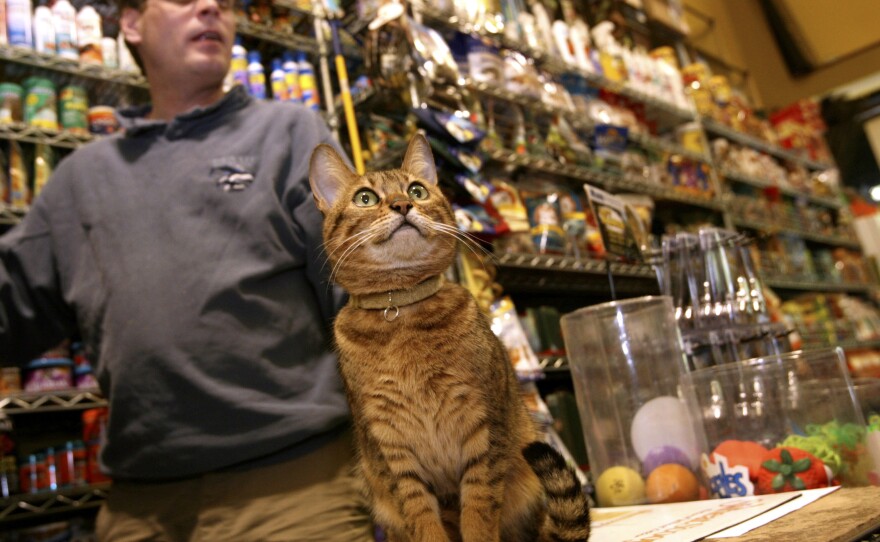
(188,256)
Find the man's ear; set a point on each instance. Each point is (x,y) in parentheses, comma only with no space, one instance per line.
(128,25)
(328,176)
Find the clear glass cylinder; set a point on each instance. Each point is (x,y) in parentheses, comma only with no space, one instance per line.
(626,358)
(779,423)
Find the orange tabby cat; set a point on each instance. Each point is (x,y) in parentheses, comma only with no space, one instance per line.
(446,445)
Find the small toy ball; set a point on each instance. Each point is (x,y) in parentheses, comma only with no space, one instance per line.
(664,421)
(790,469)
(672,483)
(620,486)
(746,453)
(662,456)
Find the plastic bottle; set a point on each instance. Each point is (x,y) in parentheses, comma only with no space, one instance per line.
(19,23)
(126,61)
(279,84)
(89,35)
(44,30)
(307,82)
(64,17)
(291,76)
(256,76)
(238,67)
(109,52)
(580,41)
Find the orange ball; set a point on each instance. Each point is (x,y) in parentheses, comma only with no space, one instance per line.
(672,483)
(743,452)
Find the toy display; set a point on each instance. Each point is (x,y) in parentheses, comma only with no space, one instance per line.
(781,423)
(642,441)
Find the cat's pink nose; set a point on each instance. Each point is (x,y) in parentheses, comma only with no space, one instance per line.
(401,205)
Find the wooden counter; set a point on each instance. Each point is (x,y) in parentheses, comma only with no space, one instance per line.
(847,515)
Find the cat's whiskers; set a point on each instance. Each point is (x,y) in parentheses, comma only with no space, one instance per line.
(466,239)
(360,239)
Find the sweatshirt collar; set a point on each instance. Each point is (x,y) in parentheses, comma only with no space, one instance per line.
(135,122)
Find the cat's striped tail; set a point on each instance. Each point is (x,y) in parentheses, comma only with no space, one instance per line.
(568,512)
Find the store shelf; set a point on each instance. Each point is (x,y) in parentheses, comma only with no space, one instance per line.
(288,40)
(547,273)
(57,138)
(807,285)
(665,114)
(769,228)
(609,180)
(787,190)
(576,118)
(32,402)
(716,128)
(22,55)
(555,364)
(26,506)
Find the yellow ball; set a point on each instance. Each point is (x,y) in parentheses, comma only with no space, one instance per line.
(620,486)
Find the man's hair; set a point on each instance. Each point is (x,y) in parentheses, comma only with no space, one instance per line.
(138,5)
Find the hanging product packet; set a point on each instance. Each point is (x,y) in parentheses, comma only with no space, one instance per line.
(622,232)
(545,217)
(507,327)
(506,200)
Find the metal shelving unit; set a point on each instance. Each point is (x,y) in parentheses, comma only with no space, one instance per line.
(26,506)
(284,39)
(29,57)
(715,127)
(56,138)
(787,190)
(36,402)
(812,285)
(833,240)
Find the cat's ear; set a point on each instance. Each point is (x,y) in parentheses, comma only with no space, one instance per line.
(328,176)
(419,161)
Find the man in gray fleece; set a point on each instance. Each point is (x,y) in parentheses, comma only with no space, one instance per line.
(187,254)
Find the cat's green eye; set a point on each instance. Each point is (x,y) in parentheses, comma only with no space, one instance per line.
(417,191)
(365,198)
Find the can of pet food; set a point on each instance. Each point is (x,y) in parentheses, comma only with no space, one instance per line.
(40,103)
(102,120)
(10,103)
(73,109)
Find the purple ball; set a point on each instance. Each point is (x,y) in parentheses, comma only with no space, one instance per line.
(663,456)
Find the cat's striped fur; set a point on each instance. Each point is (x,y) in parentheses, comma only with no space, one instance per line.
(439,421)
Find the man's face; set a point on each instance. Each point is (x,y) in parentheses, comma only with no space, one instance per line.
(182,40)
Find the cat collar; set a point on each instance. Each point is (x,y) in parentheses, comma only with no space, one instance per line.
(392,300)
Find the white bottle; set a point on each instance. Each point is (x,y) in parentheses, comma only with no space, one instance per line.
(279,84)
(64,15)
(256,76)
(291,77)
(44,30)
(109,52)
(238,66)
(19,23)
(580,41)
(126,61)
(563,42)
(89,35)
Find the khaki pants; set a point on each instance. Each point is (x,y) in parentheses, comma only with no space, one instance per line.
(310,498)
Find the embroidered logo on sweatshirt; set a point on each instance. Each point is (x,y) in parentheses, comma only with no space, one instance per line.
(233,173)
